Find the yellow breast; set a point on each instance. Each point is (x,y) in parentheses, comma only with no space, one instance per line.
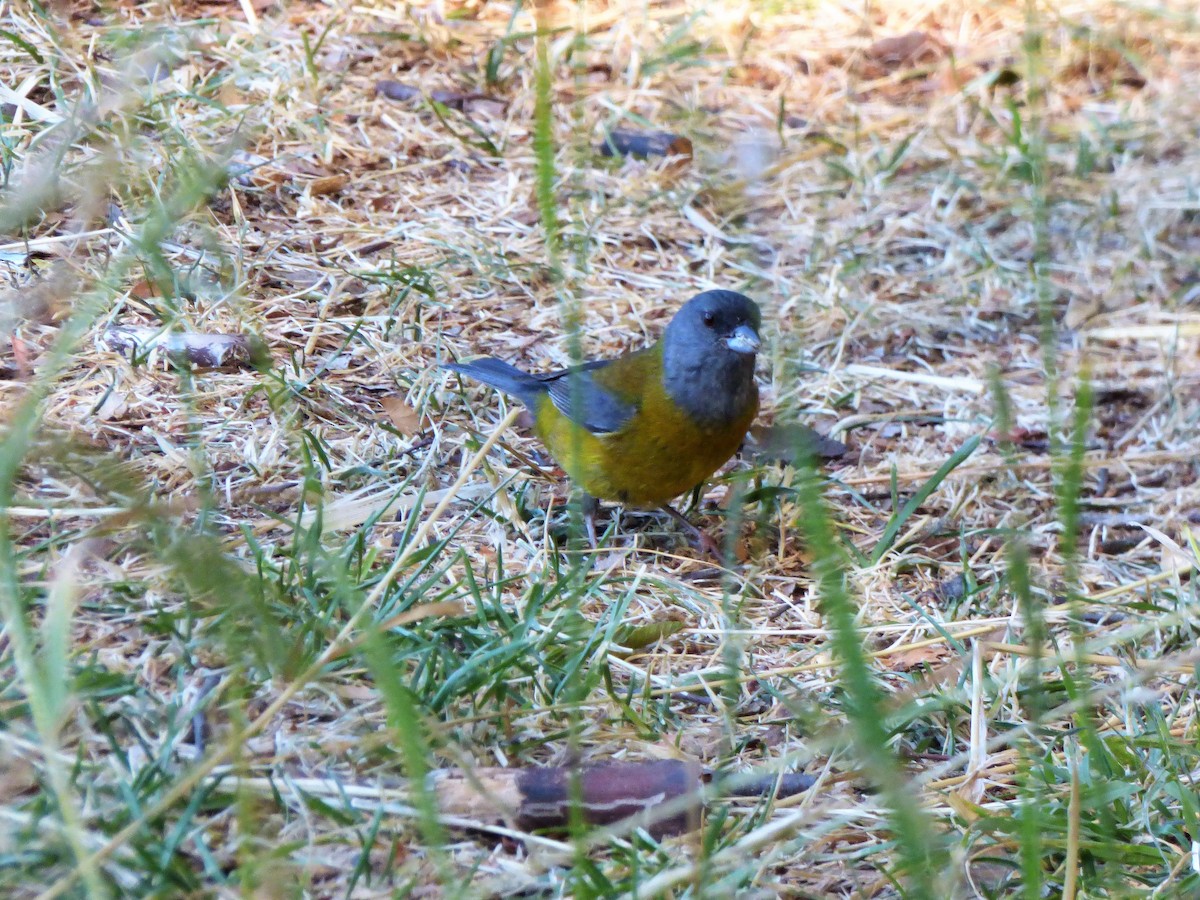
(656,456)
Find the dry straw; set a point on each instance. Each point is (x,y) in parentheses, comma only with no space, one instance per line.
(876,199)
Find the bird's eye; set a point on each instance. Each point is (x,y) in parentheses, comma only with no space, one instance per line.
(709,319)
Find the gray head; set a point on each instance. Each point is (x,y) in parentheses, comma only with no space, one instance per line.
(708,355)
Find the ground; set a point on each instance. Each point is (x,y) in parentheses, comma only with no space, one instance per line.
(245,603)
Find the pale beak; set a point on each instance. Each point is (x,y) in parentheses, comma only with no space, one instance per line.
(744,340)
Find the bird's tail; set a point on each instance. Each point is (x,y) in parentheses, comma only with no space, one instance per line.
(501,375)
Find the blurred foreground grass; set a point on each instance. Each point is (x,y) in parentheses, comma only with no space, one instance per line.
(245,610)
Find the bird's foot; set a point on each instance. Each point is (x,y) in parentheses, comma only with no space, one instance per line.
(706,543)
(591,506)
(700,539)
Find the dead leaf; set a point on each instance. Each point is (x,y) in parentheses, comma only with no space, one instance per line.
(254,170)
(1033,439)
(628,142)
(952,590)
(230,95)
(786,443)
(459,100)
(638,637)
(967,811)
(904,49)
(1104,66)
(406,420)
(1171,555)
(759,76)
(702,742)
(23,358)
(40,301)
(396,90)
(199,349)
(916,658)
(742,550)
(221,10)
(330,184)
(1080,308)
(18,778)
(143,290)
(114,406)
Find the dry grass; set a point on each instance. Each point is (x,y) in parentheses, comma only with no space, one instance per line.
(1012,197)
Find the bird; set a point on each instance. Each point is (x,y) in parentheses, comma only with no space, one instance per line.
(643,428)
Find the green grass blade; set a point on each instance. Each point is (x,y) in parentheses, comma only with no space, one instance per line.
(896,522)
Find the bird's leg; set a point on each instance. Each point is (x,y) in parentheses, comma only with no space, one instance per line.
(590,506)
(705,541)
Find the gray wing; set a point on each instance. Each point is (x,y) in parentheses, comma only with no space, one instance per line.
(578,396)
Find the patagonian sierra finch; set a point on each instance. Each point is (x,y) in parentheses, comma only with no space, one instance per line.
(643,428)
